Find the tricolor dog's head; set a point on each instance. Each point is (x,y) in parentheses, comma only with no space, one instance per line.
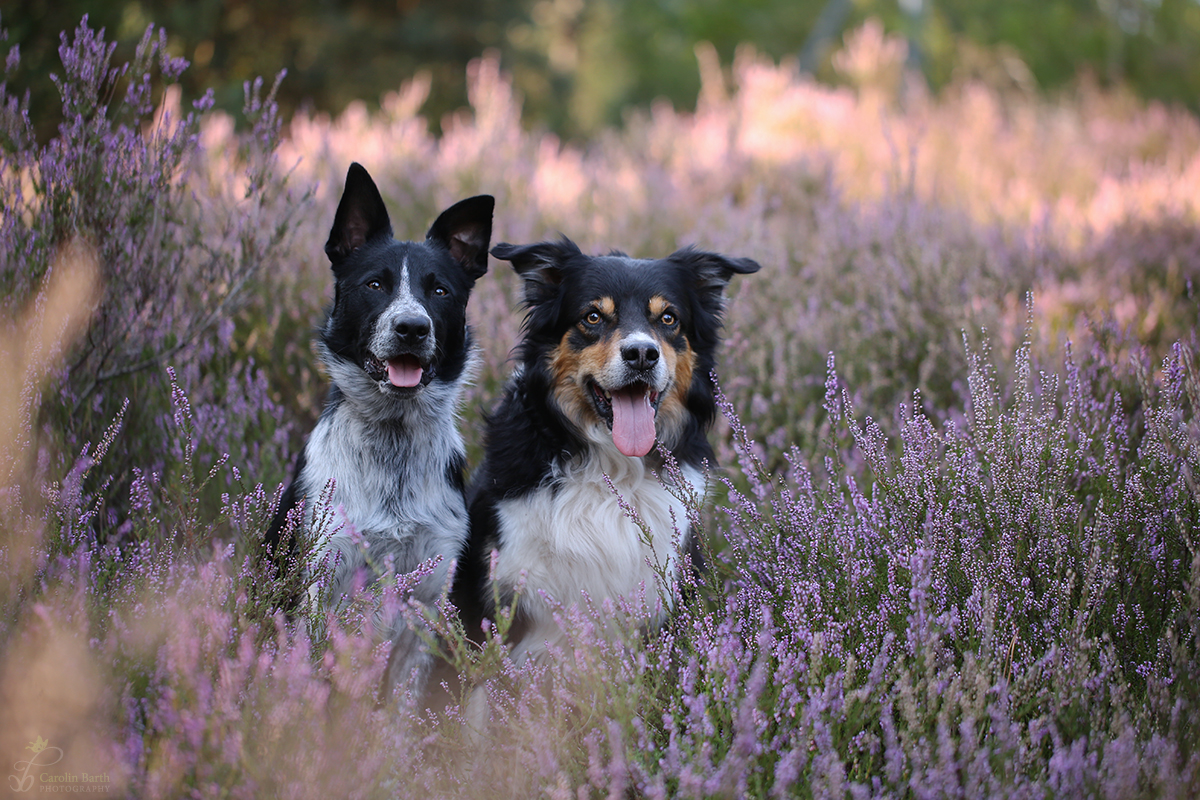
(626,345)
(398,320)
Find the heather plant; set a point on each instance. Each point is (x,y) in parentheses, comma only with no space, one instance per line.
(177,254)
(942,561)
(1004,604)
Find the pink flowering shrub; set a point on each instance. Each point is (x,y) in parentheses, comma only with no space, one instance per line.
(953,541)
(177,245)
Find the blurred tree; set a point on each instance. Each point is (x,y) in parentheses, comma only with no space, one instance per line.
(609,54)
(334,52)
(827,28)
(1151,45)
(579,64)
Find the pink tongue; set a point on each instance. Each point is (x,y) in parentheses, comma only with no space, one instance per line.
(404,371)
(633,422)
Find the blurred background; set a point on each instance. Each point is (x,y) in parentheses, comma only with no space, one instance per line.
(969,361)
(577,65)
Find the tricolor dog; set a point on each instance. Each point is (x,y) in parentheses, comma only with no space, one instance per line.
(616,356)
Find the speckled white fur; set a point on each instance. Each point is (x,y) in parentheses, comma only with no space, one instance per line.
(392,502)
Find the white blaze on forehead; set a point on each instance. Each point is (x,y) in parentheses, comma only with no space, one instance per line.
(403,305)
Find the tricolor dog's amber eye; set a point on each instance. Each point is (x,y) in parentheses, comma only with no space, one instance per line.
(668,319)
(593,318)
(375,284)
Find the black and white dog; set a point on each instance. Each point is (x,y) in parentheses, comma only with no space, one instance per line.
(398,353)
(617,354)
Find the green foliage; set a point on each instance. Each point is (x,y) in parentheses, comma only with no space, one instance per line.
(579,65)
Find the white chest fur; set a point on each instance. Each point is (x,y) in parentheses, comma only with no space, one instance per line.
(571,537)
(393,500)
(387,478)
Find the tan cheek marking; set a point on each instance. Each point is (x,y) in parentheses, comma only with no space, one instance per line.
(564,367)
(594,358)
(570,369)
(564,361)
(672,411)
(658,304)
(669,355)
(685,364)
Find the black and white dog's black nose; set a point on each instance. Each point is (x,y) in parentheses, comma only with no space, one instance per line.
(412,330)
(640,356)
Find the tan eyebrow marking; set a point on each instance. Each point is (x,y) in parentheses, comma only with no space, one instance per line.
(607,306)
(658,305)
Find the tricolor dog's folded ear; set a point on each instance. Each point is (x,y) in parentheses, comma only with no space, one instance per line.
(713,271)
(361,216)
(541,266)
(709,273)
(465,229)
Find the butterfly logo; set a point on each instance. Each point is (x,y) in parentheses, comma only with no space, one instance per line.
(42,755)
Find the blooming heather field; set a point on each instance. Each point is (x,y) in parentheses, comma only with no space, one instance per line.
(954,536)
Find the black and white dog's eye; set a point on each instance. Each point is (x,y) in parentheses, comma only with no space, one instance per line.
(441,291)
(376,285)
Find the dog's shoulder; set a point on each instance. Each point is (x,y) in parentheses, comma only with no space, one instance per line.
(523,440)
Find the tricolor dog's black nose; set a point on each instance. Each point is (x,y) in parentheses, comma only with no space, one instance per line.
(412,330)
(640,356)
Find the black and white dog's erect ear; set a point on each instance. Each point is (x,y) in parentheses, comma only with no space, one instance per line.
(465,229)
(361,216)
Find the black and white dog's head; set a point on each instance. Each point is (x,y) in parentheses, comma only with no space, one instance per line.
(397,331)
(624,346)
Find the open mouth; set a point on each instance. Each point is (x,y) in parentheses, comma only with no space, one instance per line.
(629,412)
(403,371)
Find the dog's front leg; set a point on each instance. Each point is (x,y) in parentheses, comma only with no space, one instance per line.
(344,560)
(410,660)
(408,666)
